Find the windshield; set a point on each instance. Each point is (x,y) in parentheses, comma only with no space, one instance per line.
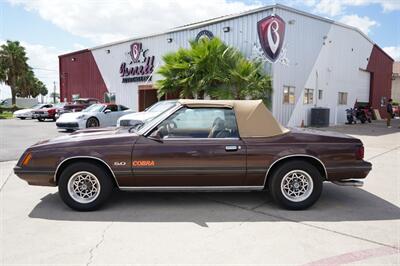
(37,106)
(161,106)
(59,105)
(79,102)
(94,108)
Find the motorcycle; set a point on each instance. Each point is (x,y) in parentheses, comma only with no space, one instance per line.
(350,114)
(364,114)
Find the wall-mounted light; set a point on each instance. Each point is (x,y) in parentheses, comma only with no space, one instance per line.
(108,51)
(73,59)
(226,29)
(292,22)
(169,40)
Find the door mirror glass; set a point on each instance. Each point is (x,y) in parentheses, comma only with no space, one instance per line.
(107,111)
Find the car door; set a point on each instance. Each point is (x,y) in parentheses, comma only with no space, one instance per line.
(194,147)
(111,116)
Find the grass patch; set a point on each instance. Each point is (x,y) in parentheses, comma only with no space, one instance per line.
(6,115)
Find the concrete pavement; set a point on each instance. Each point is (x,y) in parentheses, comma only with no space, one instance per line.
(347,226)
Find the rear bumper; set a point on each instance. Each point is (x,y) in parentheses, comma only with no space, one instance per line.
(354,171)
(35,178)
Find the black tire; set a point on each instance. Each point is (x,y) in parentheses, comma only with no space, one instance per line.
(22,118)
(104,180)
(54,119)
(275,181)
(92,122)
(40,119)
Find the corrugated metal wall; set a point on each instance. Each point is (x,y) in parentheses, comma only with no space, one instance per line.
(380,65)
(79,74)
(321,55)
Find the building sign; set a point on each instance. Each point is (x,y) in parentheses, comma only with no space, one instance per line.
(204,34)
(271,33)
(141,66)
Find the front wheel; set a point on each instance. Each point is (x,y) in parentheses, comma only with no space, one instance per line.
(296,185)
(84,186)
(92,122)
(40,119)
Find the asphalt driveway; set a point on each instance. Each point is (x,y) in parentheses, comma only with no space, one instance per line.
(16,135)
(347,226)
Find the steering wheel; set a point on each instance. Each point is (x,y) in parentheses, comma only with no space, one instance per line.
(170,125)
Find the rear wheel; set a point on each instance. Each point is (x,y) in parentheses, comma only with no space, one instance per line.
(295,185)
(84,186)
(40,119)
(92,122)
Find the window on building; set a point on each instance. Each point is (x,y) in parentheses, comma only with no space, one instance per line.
(342,98)
(109,97)
(320,94)
(288,95)
(308,96)
(75,97)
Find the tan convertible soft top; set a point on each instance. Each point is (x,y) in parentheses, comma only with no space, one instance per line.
(253,118)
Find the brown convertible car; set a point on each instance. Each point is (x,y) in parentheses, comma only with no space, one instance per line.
(198,145)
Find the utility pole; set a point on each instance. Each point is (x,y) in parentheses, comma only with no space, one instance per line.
(54,92)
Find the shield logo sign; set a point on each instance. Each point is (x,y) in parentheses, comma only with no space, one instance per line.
(271,33)
(136,49)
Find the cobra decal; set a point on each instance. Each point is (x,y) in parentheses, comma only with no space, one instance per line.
(143,163)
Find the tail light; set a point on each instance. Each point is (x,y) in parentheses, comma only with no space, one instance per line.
(360,153)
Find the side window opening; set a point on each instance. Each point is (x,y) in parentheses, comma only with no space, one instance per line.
(199,123)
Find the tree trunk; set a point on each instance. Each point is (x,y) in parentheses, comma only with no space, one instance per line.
(13,96)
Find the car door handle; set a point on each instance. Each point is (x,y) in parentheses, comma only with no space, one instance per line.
(232,148)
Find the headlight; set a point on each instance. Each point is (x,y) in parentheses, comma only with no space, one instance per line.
(81,117)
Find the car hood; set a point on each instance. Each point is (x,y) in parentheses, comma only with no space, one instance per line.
(141,116)
(90,137)
(23,111)
(70,116)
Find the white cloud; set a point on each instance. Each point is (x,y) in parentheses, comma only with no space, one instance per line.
(44,61)
(393,51)
(338,7)
(363,23)
(107,21)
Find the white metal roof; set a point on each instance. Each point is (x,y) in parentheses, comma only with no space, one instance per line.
(232,16)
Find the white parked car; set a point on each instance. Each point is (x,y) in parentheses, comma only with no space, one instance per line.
(96,115)
(28,113)
(139,118)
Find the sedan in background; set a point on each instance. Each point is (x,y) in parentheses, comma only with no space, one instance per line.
(47,113)
(137,119)
(28,113)
(96,115)
(76,106)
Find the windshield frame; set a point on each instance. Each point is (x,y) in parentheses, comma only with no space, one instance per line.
(88,109)
(146,129)
(170,104)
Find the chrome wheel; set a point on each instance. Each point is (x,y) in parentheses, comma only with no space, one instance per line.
(297,185)
(84,187)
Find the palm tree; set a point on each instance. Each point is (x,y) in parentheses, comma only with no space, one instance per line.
(211,67)
(13,66)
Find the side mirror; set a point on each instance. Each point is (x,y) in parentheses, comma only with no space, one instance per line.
(156,137)
(107,111)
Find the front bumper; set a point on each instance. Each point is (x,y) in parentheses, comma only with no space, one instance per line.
(34,177)
(25,115)
(68,125)
(359,170)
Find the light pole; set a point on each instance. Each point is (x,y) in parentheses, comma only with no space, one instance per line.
(54,92)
